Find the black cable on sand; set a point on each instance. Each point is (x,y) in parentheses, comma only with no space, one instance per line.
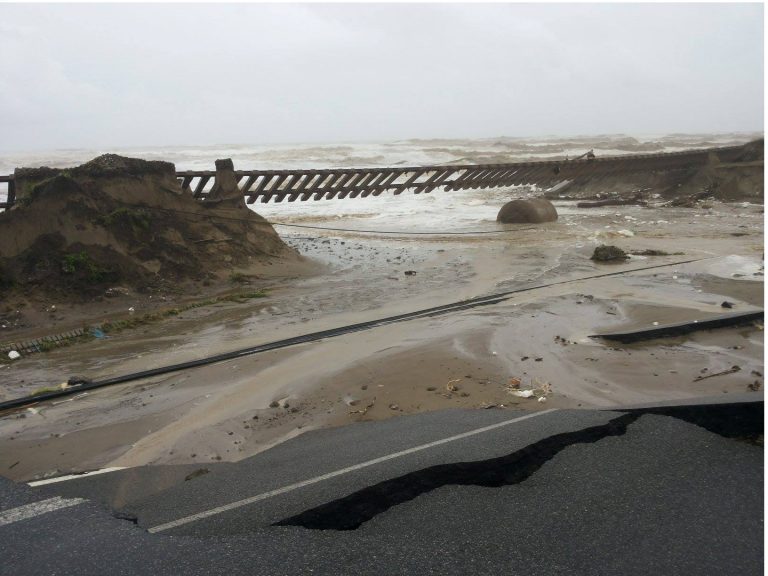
(313,337)
(268,223)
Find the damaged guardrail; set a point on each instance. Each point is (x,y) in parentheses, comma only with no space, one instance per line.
(682,328)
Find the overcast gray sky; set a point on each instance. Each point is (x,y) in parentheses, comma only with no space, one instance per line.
(124,75)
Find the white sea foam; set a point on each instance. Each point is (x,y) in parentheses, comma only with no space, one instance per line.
(459,211)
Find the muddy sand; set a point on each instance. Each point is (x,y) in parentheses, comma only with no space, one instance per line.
(468,359)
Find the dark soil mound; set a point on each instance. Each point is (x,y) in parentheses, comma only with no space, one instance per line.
(124,220)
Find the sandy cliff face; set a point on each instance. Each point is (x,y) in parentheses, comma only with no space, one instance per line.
(125,220)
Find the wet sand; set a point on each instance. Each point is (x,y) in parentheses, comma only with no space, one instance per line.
(465,359)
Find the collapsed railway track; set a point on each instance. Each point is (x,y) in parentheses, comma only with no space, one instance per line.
(293,185)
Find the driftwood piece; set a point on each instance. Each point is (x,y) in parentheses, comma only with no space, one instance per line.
(613,202)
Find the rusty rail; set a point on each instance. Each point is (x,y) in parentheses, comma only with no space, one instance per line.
(302,185)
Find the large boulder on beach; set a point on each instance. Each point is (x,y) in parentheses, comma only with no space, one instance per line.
(527,211)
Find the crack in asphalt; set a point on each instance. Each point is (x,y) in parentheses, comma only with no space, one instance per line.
(350,512)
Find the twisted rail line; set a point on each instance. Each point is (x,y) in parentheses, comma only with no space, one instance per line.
(303,185)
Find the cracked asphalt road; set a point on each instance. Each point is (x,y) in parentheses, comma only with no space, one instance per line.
(662,495)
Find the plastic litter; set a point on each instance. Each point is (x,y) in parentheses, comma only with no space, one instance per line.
(13,355)
(522,393)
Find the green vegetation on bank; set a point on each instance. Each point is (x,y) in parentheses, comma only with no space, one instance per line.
(136,218)
(81,263)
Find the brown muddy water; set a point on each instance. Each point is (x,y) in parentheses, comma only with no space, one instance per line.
(234,409)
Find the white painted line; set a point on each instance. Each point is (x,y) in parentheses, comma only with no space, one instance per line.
(74,476)
(316,479)
(37,509)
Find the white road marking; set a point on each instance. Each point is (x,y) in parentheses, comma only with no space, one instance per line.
(316,479)
(74,476)
(37,509)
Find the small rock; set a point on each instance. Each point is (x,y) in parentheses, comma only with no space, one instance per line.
(726,304)
(608,254)
(274,404)
(410,272)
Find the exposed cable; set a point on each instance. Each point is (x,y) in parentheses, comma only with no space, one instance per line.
(266,222)
(315,336)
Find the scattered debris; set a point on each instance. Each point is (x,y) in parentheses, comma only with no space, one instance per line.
(636,201)
(730,370)
(394,407)
(196,474)
(363,411)
(13,355)
(608,254)
(651,252)
(539,389)
(450,386)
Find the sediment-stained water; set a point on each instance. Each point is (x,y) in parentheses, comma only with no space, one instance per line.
(234,409)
